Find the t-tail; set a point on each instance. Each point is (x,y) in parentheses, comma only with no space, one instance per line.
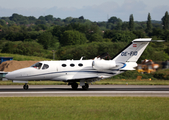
(128,57)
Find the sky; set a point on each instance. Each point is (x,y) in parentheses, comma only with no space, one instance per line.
(94,10)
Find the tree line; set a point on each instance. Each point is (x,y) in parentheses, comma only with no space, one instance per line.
(72,38)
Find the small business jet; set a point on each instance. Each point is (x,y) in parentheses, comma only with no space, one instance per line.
(83,71)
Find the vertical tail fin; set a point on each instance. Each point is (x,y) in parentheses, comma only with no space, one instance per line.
(133,51)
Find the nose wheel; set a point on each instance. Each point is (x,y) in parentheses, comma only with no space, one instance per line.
(26,87)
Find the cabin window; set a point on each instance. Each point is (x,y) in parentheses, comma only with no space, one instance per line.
(63,65)
(72,65)
(45,66)
(80,64)
(37,65)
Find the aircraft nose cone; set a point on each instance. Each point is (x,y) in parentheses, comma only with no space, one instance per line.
(9,76)
(16,75)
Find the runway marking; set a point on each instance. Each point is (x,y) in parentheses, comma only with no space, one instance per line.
(89,92)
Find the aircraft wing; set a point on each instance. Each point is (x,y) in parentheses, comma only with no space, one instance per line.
(74,77)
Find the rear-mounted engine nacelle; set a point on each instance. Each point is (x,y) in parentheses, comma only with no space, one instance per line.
(103,64)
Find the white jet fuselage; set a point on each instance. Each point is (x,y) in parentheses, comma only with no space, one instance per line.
(61,71)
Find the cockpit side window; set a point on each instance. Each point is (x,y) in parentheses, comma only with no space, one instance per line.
(37,65)
(45,66)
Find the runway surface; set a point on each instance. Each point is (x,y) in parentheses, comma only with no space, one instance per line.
(94,90)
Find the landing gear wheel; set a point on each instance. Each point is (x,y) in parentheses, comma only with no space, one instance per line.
(25,87)
(74,86)
(86,86)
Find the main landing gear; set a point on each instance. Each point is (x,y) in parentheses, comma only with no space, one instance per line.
(85,87)
(74,86)
(25,87)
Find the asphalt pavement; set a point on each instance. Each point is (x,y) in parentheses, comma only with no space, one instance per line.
(94,90)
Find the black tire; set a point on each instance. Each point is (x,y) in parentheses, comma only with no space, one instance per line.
(74,86)
(25,87)
(86,86)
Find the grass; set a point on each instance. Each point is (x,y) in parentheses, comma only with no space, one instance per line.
(87,108)
(23,57)
(101,82)
(34,83)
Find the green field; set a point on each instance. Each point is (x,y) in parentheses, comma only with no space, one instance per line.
(87,108)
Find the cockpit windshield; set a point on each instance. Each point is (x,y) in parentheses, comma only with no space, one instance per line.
(45,66)
(37,65)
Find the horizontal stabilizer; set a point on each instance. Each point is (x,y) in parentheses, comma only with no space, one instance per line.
(147,40)
(157,40)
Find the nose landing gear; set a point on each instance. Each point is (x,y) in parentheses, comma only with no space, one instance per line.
(26,87)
